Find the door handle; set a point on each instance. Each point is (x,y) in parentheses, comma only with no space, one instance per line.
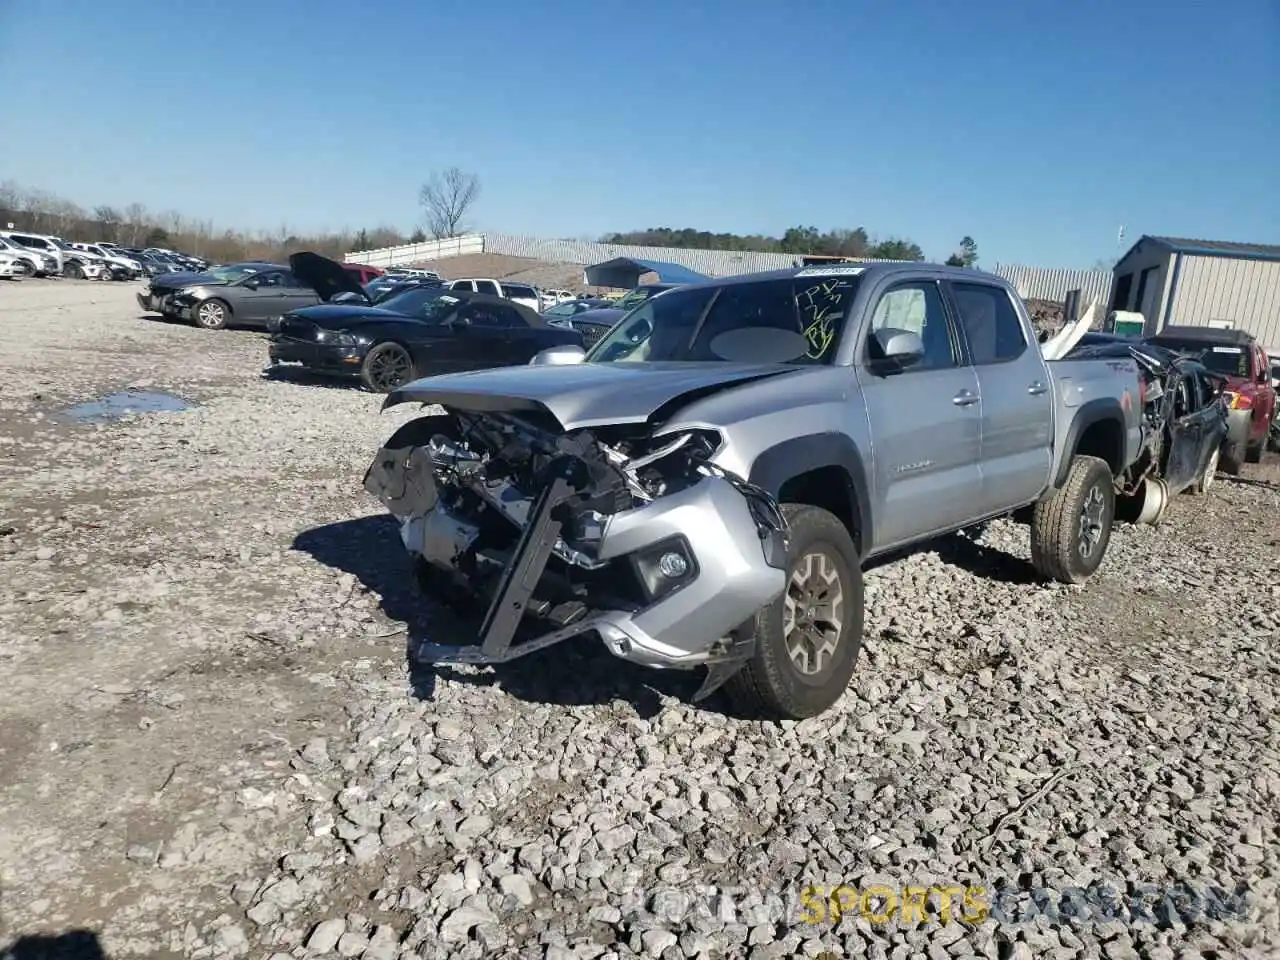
(964,398)
(1036,388)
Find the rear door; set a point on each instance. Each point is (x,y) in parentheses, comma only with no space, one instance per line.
(294,294)
(925,421)
(1017,404)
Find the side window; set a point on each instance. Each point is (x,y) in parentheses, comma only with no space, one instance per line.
(487,286)
(273,278)
(487,315)
(918,308)
(462,285)
(989,322)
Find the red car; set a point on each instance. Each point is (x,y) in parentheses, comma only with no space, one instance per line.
(1235,355)
(362,272)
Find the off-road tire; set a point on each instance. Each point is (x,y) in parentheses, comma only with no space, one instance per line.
(212,314)
(770,685)
(1056,526)
(382,353)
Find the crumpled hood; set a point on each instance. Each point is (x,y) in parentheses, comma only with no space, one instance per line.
(586,394)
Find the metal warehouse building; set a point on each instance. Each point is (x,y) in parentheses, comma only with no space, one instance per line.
(1203,283)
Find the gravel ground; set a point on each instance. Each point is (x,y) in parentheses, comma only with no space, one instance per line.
(210,744)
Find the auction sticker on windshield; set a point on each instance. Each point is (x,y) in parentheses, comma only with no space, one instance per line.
(830,271)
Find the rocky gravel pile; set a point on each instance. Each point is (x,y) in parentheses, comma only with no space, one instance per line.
(211,744)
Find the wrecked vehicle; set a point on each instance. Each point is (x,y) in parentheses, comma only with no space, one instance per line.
(1185,422)
(702,488)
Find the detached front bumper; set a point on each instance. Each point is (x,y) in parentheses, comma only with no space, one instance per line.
(707,558)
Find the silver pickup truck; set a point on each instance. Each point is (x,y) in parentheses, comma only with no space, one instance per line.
(704,486)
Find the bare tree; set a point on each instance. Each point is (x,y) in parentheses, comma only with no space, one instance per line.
(446,198)
(135,216)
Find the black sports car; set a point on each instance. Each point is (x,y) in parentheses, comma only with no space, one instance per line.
(416,332)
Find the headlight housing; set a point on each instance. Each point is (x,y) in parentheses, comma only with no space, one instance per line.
(337,338)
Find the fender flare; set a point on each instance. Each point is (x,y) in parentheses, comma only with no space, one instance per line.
(1095,411)
(798,455)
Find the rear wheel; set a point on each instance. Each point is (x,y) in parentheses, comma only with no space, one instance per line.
(386,367)
(808,640)
(212,315)
(1070,530)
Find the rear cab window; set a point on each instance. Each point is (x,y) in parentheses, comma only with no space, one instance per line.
(487,286)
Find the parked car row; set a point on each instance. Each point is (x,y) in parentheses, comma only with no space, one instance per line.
(383,333)
(44,255)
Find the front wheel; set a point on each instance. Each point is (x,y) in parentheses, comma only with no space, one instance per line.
(1071,529)
(386,367)
(212,315)
(74,271)
(807,641)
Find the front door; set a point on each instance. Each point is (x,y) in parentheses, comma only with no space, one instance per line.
(1017,403)
(924,420)
(259,297)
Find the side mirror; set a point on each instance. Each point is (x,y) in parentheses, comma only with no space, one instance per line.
(895,349)
(558,356)
(457,323)
(251,284)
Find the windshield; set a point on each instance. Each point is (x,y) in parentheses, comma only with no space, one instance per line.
(231,274)
(563,310)
(638,296)
(1230,361)
(791,320)
(429,304)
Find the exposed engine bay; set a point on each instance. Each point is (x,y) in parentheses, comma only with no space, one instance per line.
(643,540)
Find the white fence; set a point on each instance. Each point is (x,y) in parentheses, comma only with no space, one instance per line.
(1033,283)
(413,252)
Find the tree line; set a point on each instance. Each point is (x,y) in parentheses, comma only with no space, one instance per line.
(800,241)
(446,199)
(133,225)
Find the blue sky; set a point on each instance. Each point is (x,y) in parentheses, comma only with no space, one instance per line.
(1037,128)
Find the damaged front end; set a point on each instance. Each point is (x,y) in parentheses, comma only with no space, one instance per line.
(548,534)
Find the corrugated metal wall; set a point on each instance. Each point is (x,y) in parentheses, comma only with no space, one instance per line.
(1246,292)
(1032,282)
(712,263)
(1039,283)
